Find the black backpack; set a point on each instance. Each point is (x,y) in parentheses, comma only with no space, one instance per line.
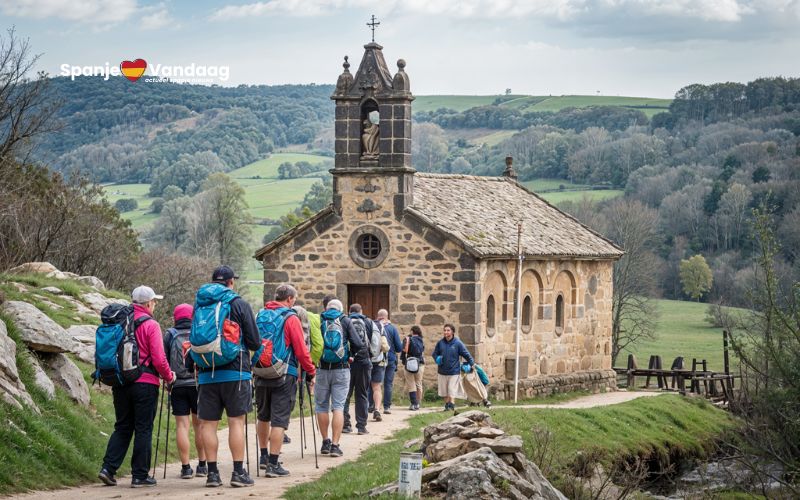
(174,349)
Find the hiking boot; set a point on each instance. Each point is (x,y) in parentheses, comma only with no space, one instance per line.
(241,479)
(412,407)
(107,477)
(347,429)
(362,431)
(201,471)
(387,411)
(276,470)
(263,463)
(213,480)
(326,447)
(286,439)
(377,416)
(487,403)
(186,472)
(416,407)
(336,451)
(371,409)
(147,482)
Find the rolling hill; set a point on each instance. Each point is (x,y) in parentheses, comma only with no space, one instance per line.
(649,106)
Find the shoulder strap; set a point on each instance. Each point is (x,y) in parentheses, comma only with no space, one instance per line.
(138,322)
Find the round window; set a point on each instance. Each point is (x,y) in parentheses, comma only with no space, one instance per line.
(368,246)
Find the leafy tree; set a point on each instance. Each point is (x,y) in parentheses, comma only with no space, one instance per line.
(696,276)
(157,205)
(761,174)
(171,192)
(429,147)
(171,228)
(126,205)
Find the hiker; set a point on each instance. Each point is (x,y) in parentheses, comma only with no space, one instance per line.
(360,371)
(311,329)
(413,358)
(447,354)
(135,403)
(395,345)
(379,350)
(184,392)
(277,377)
(223,379)
(333,376)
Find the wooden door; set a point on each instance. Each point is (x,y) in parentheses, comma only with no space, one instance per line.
(371,298)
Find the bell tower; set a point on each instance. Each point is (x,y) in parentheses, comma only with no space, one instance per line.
(373,127)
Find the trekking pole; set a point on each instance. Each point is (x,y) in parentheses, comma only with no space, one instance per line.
(313,433)
(166,441)
(247,442)
(302,421)
(255,419)
(154,456)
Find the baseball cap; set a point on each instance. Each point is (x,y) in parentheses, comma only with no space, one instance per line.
(336,304)
(223,273)
(182,311)
(143,294)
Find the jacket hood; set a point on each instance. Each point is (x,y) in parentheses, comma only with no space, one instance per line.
(274,305)
(331,314)
(214,292)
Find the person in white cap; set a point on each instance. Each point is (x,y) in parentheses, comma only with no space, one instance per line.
(135,404)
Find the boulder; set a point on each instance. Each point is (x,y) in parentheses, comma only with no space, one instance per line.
(54,290)
(477,416)
(38,331)
(67,375)
(84,352)
(47,302)
(20,287)
(12,389)
(33,267)
(79,306)
(481,432)
(413,443)
(92,281)
(41,379)
(97,301)
(58,275)
(505,444)
(85,334)
(446,449)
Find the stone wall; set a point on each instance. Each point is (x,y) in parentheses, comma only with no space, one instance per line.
(582,342)
(545,385)
(431,280)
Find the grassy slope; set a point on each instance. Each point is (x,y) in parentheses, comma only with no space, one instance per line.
(682,331)
(649,106)
(539,185)
(64,446)
(641,427)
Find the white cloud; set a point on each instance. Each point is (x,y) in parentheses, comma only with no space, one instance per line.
(156,18)
(90,11)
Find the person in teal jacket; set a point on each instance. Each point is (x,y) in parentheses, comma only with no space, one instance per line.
(447,354)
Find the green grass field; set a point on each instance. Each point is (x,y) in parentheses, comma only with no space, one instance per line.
(537,185)
(682,331)
(268,167)
(559,196)
(648,105)
(645,427)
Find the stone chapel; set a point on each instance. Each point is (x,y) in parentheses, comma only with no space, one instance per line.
(436,248)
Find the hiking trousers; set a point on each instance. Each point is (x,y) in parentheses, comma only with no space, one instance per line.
(135,410)
(360,375)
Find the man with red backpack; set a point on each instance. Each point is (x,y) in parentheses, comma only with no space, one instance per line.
(223,331)
(135,403)
(276,368)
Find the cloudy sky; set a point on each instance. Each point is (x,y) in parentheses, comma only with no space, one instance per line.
(539,47)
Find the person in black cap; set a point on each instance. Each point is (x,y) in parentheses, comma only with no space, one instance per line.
(226,387)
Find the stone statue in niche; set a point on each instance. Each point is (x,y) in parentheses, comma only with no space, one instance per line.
(369,139)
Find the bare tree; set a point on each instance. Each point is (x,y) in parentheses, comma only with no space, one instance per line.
(632,225)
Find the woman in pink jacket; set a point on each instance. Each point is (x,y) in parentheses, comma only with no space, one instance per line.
(135,404)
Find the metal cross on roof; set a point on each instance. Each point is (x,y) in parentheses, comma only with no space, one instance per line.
(372,25)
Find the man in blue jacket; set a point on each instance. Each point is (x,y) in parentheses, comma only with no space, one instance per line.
(395,346)
(447,354)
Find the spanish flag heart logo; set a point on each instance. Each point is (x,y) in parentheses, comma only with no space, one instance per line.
(133,70)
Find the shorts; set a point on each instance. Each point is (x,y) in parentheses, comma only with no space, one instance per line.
(450,387)
(275,400)
(235,397)
(378,372)
(184,400)
(330,389)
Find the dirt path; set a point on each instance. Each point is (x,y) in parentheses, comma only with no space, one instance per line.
(302,470)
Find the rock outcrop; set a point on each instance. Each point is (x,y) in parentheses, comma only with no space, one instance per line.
(41,379)
(13,390)
(85,334)
(472,458)
(38,331)
(93,282)
(68,376)
(33,267)
(97,301)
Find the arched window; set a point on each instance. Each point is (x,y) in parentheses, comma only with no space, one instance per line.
(559,313)
(527,313)
(490,311)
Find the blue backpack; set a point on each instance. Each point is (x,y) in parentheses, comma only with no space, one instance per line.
(214,338)
(334,349)
(272,359)
(116,357)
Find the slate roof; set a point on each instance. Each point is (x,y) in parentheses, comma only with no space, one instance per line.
(482,214)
